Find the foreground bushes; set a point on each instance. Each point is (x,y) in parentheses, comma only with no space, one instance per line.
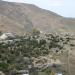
(12,53)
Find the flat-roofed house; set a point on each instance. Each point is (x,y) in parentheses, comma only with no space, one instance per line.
(5,36)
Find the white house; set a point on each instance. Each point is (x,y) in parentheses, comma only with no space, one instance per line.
(5,36)
(23,72)
(58,74)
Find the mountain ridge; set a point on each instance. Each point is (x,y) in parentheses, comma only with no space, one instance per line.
(20,18)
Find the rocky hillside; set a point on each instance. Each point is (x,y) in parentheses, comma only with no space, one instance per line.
(20,18)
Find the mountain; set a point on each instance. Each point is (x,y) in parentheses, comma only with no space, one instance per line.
(20,18)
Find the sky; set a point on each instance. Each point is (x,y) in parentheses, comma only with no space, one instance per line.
(64,8)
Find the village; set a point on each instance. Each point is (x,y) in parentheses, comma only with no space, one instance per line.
(49,64)
(39,65)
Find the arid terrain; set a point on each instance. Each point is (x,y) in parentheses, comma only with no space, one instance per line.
(21,18)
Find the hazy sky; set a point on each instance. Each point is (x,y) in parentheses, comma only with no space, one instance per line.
(63,7)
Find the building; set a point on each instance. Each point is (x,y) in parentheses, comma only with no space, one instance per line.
(5,36)
(22,72)
(58,74)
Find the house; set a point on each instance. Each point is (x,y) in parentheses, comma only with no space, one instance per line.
(5,36)
(58,74)
(22,72)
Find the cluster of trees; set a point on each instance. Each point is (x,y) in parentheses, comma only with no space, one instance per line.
(13,54)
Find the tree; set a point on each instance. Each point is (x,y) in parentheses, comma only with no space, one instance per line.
(52,73)
(35,32)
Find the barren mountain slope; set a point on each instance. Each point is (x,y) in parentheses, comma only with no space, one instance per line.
(20,18)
